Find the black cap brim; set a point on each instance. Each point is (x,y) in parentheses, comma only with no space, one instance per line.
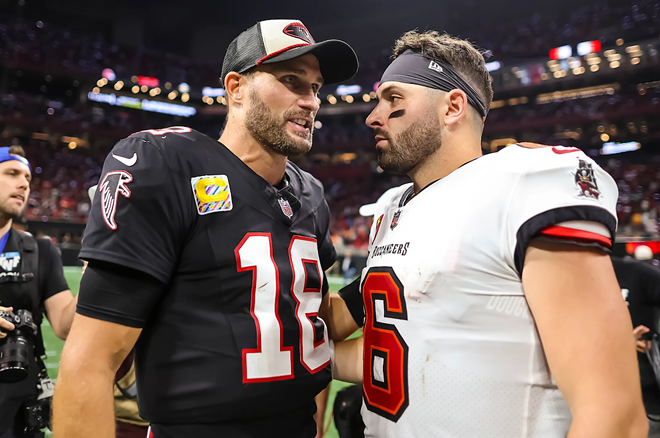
(337,60)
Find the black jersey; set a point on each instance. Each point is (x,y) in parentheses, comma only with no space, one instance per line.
(640,286)
(235,334)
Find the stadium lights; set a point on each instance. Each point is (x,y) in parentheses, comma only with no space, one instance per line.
(134,79)
(588,47)
(109,74)
(172,95)
(96,90)
(616,148)
(213,92)
(348,89)
(493,66)
(635,61)
(73,145)
(619,42)
(562,52)
(119,85)
(184,88)
(594,68)
(168,85)
(185,97)
(615,64)
(144,88)
(135,89)
(318,124)
(578,93)
(331,99)
(148,81)
(101,82)
(349,99)
(143,104)
(366,97)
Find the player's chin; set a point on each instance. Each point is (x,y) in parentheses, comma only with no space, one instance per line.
(302,143)
(13,211)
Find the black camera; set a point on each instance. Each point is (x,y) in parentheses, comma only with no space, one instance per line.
(15,349)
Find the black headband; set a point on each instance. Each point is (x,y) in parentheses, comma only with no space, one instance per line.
(414,68)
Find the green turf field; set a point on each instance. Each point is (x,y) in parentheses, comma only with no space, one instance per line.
(54,344)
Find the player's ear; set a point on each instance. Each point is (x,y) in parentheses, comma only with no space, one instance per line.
(235,87)
(456,106)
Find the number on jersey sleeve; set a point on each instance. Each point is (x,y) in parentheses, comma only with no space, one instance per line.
(385,362)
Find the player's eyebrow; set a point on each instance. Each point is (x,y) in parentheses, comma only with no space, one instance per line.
(302,72)
(389,89)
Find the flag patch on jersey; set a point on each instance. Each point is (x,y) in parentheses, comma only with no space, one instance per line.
(212,193)
(378,222)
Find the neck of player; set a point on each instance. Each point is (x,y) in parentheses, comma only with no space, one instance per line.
(456,150)
(5,224)
(263,161)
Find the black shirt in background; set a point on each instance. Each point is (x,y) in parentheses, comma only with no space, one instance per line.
(640,286)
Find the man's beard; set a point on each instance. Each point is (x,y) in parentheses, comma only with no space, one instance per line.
(411,147)
(7,213)
(271,131)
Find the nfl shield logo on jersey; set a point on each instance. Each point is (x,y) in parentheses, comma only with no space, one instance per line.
(9,260)
(395,220)
(286,207)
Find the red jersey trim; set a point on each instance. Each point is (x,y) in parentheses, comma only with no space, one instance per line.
(566,233)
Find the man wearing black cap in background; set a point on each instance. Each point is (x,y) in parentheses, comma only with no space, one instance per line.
(483,269)
(211,256)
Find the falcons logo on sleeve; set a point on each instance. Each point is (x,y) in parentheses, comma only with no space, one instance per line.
(113,183)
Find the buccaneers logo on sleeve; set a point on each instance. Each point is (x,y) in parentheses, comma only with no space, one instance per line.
(113,184)
(586,180)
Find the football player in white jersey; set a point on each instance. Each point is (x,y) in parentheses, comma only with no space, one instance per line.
(492,309)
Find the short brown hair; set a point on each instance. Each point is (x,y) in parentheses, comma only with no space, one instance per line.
(17,150)
(467,60)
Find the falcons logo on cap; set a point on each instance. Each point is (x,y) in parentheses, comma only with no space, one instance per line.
(298,30)
(112,184)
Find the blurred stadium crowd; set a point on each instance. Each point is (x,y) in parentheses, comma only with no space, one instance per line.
(46,73)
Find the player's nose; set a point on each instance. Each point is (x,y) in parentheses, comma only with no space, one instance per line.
(310,102)
(374,120)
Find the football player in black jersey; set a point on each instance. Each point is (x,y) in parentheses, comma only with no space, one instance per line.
(210,257)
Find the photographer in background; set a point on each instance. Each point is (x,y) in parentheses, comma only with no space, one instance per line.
(640,285)
(31,283)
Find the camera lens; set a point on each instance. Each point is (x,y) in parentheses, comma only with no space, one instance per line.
(14,359)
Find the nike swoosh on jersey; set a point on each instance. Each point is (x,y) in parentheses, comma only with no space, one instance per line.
(127,161)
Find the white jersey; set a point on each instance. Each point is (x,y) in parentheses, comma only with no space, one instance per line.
(451,349)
